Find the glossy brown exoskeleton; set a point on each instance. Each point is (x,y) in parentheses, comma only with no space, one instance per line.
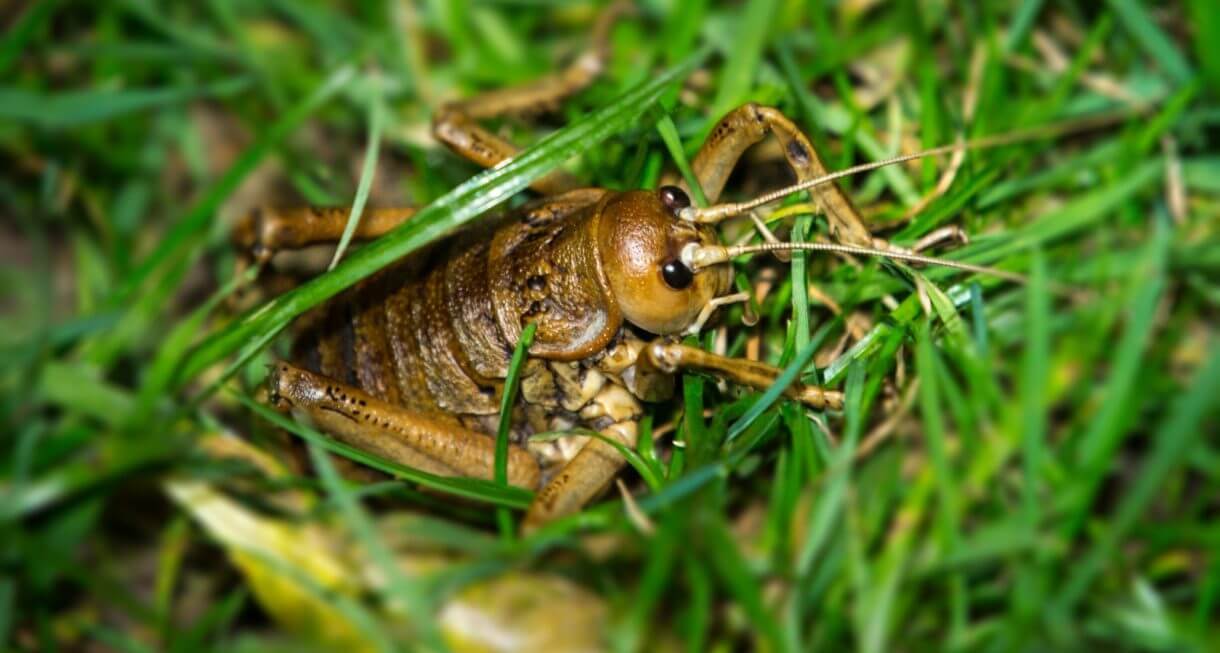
(410,364)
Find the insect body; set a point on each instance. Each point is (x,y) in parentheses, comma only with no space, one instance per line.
(413,366)
(411,363)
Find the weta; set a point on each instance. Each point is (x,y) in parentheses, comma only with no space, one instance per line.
(410,364)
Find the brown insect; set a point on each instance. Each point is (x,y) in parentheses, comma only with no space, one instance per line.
(410,364)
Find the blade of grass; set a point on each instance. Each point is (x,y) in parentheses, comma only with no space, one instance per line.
(743,57)
(78,108)
(20,31)
(8,598)
(694,431)
(979,319)
(217,620)
(632,632)
(174,346)
(377,114)
(831,503)
(503,516)
(185,32)
(187,229)
(696,618)
(1156,43)
(673,143)
(772,394)
(948,525)
(1206,23)
(414,604)
(727,561)
(1022,21)
(80,387)
(1035,373)
(1111,423)
(1172,441)
(461,205)
(800,284)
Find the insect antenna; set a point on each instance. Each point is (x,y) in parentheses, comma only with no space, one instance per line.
(697,256)
(719,212)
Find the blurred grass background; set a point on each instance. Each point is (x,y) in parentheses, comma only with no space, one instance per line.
(1018,468)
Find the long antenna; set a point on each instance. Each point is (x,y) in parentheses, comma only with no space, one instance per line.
(719,212)
(696,256)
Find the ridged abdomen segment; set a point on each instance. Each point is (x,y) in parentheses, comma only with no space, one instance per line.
(373,363)
(427,343)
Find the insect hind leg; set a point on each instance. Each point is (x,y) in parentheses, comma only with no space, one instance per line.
(427,442)
(749,124)
(616,412)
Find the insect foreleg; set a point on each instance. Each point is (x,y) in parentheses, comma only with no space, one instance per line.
(430,443)
(672,357)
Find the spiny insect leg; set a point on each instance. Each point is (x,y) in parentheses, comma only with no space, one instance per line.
(427,442)
(672,357)
(749,124)
(263,232)
(584,477)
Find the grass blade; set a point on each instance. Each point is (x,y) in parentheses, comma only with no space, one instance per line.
(772,394)
(188,228)
(1155,42)
(1109,425)
(78,108)
(506,420)
(743,56)
(368,170)
(948,525)
(832,503)
(673,143)
(413,601)
(1172,442)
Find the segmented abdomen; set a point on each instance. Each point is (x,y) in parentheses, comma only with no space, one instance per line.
(427,342)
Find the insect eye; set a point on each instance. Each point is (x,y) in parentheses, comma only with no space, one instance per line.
(677,275)
(674,198)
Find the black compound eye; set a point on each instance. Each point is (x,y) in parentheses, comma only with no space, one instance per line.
(674,198)
(677,275)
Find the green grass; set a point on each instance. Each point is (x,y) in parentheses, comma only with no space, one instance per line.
(1047,480)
